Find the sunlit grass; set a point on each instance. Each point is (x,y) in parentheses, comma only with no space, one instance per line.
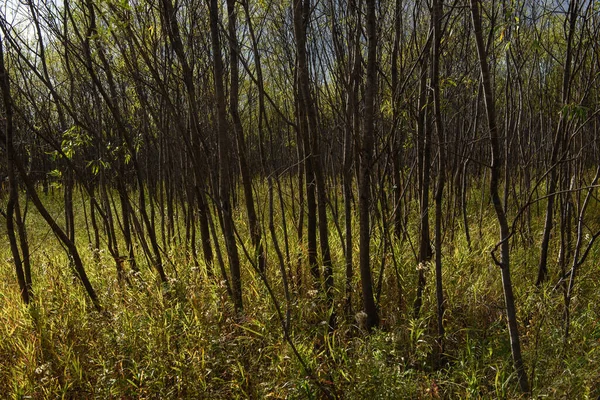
(183,339)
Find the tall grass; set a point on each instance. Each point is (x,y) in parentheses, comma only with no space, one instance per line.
(183,340)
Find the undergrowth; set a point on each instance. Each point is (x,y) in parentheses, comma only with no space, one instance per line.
(184,340)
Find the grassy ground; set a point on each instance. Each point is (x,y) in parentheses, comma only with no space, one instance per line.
(183,341)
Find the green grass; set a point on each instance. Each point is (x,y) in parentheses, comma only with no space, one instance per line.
(183,340)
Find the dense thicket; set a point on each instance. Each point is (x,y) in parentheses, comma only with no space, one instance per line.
(240,131)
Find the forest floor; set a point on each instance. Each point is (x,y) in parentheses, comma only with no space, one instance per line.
(183,340)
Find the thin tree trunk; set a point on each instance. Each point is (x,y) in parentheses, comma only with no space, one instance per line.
(13,198)
(255,231)
(366,167)
(504,262)
(437,15)
(559,142)
(224,153)
(301,10)
(424,156)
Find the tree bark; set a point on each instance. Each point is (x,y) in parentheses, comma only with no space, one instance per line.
(437,15)
(255,231)
(13,199)
(224,149)
(558,145)
(504,262)
(366,166)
